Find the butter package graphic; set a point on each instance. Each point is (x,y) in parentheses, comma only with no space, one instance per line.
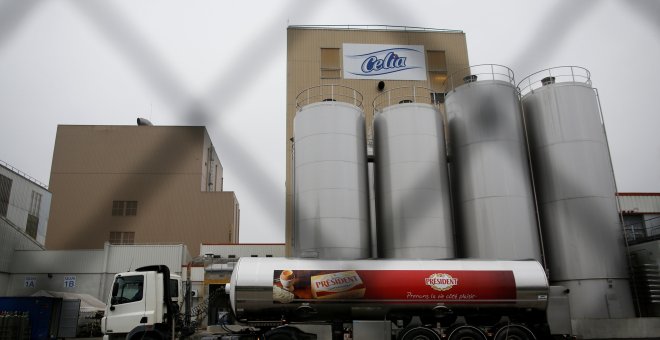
(340,285)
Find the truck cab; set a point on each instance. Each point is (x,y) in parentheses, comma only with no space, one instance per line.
(141,305)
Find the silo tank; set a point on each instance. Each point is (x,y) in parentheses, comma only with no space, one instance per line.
(330,179)
(576,192)
(491,179)
(413,205)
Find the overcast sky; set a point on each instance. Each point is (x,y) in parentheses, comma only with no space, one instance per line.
(222,64)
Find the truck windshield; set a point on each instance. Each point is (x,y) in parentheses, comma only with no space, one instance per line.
(128,289)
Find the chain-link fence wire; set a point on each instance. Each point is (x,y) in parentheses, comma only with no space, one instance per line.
(128,41)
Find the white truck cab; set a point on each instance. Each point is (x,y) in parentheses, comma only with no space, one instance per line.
(140,306)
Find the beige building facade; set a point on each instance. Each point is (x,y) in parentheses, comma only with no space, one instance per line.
(359,58)
(136,185)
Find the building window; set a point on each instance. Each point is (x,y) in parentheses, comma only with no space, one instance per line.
(437,68)
(117,208)
(268,255)
(330,68)
(35,205)
(124,208)
(254,255)
(232,256)
(131,208)
(5,190)
(122,237)
(438,97)
(32,226)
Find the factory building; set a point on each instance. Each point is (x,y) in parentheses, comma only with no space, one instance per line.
(136,185)
(641,215)
(24,207)
(373,181)
(24,202)
(355,64)
(641,219)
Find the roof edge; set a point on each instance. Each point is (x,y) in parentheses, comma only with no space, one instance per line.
(638,193)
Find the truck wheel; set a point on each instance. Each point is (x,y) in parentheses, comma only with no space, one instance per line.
(287,333)
(144,336)
(466,333)
(280,336)
(418,333)
(514,332)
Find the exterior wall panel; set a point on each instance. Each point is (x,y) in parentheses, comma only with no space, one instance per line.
(85,284)
(11,239)
(93,269)
(124,258)
(57,261)
(639,203)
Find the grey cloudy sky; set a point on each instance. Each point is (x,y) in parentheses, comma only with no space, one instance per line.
(223,65)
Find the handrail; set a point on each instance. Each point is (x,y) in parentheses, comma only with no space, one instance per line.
(23,174)
(377,27)
(479,72)
(638,232)
(405,94)
(559,74)
(329,92)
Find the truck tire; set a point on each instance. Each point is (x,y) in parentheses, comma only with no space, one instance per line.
(466,332)
(514,332)
(287,333)
(418,333)
(144,337)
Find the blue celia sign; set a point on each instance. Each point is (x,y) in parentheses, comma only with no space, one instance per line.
(393,62)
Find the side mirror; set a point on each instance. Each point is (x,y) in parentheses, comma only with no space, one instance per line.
(113,298)
(115,289)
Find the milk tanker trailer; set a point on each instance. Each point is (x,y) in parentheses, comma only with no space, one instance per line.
(286,298)
(289,298)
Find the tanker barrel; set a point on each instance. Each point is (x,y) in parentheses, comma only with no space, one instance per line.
(576,192)
(264,289)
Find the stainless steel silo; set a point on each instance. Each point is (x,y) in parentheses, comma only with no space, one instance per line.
(575,185)
(413,205)
(491,180)
(331,203)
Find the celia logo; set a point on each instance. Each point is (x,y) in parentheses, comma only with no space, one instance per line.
(390,61)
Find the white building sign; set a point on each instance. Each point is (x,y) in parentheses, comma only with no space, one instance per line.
(30,282)
(389,62)
(70,281)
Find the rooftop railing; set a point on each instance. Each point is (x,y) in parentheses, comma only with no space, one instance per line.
(329,93)
(23,174)
(377,28)
(559,74)
(477,73)
(407,94)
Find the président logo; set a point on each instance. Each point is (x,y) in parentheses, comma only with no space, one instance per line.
(441,281)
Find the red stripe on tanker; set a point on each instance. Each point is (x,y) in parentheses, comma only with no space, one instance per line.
(393,285)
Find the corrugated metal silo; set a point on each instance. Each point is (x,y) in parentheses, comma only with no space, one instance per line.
(491,181)
(412,187)
(331,203)
(576,192)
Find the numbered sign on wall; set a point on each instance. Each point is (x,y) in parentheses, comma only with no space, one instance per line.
(70,281)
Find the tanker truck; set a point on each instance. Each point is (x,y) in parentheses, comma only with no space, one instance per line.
(286,298)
